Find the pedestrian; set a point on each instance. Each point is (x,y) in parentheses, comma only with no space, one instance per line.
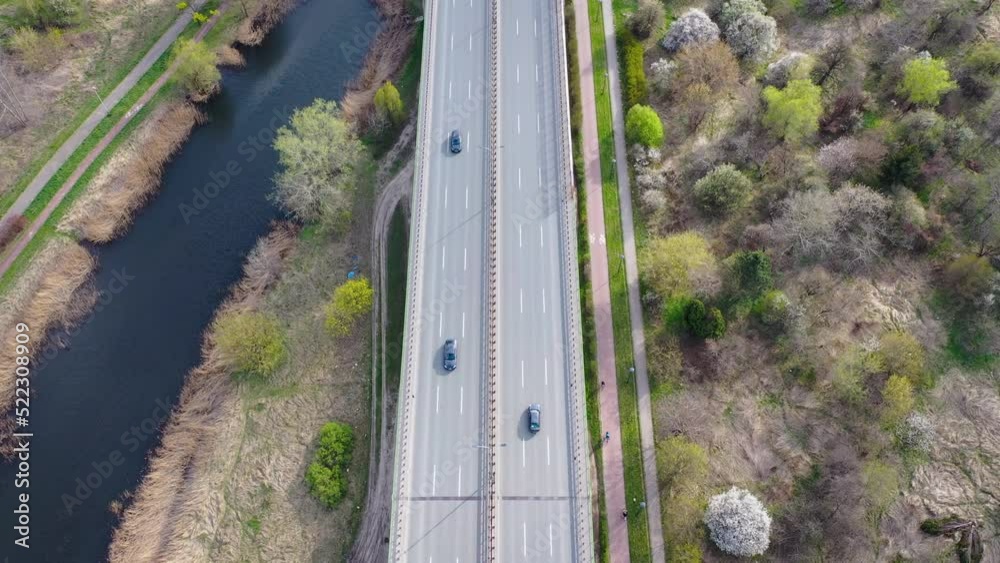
(624,514)
(607,436)
(602,384)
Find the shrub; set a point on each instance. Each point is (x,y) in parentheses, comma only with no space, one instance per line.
(196,71)
(881,482)
(326,474)
(252,343)
(389,104)
(925,80)
(350,301)
(682,467)
(738,523)
(723,190)
(691,28)
(38,50)
(633,71)
(979,70)
(793,112)
(643,126)
(773,309)
(897,399)
(704,322)
(647,19)
(903,355)
(753,37)
(673,313)
(669,265)
(661,74)
(916,432)
(793,66)
(41,14)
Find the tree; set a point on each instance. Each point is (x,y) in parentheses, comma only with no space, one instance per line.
(711,64)
(389,104)
(793,66)
(903,355)
(723,190)
(643,126)
(691,28)
(753,37)
(326,474)
(793,112)
(253,343)
(773,309)
(732,10)
(979,70)
(647,19)
(322,160)
(43,14)
(669,265)
(925,80)
(897,399)
(350,301)
(916,432)
(968,278)
(196,71)
(750,272)
(704,322)
(661,75)
(738,523)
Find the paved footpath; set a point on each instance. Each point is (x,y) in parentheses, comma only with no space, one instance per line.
(612,468)
(635,305)
(26,237)
(88,126)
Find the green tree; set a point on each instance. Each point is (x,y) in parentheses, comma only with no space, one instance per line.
(968,278)
(634,88)
(42,14)
(750,272)
(667,264)
(723,190)
(925,80)
(897,399)
(350,301)
(389,104)
(901,354)
(704,322)
(326,475)
(643,126)
(253,343)
(793,112)
(196,71)
(773,309)
(322,161)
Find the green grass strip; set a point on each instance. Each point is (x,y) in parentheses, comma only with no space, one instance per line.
(628,407)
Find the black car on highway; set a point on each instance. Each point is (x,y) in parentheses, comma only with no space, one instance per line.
(450,354)
(455,142)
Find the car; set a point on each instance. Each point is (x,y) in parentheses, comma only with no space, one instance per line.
(455,142)
(450,354)
(534,417)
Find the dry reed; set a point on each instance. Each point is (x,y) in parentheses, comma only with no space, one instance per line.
(268,14)
(170,488)
(230,56)
(383,61)
(10,229)
(51,294)
(107,208)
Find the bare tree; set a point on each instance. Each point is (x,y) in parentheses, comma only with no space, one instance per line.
(10,104)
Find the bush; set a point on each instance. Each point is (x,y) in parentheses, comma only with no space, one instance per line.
(753,37)
(925,80)
(915,433)
(897,399)
(196,71)
(968,278)
(38,51)
(388,103)
(643,126)
(738,523)
(723,190)
(979,70)
(670,265)
(793,66)
(691,28)
(350,301)
(41,14)
(661,74)
(647,19)
(750,272)
(252,343)
(773,309)
(326,474)
(793,112)
(682,467)
(704,322)
(633,71)
(903,355)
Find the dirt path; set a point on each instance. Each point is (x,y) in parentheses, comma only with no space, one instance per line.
(370,545)
(17,248)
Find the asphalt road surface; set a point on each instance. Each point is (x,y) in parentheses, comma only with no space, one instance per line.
(442,504)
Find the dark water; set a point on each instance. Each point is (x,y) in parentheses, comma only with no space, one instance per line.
(97,406)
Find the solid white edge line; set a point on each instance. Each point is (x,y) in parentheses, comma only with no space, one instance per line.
(463,324)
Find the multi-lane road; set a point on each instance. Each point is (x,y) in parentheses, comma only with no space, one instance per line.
(540,509)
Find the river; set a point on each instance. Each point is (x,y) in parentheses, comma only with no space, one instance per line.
(98,404)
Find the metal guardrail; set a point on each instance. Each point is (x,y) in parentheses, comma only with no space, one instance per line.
(492,331)
(398,519)
(571,289)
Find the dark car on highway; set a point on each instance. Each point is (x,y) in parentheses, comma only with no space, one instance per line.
(455,142)
(534,417)
(450,354)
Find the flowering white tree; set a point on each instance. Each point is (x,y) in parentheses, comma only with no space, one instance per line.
(693,27)
(753,36)
(660,74)
(738,523)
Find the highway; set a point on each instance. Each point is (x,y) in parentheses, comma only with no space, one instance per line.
(442,509)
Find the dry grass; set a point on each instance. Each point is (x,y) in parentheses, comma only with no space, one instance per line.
(132,176)
(384,59)
(51,294)
(267,15)
(170,490)
(10,229)
(230,56)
